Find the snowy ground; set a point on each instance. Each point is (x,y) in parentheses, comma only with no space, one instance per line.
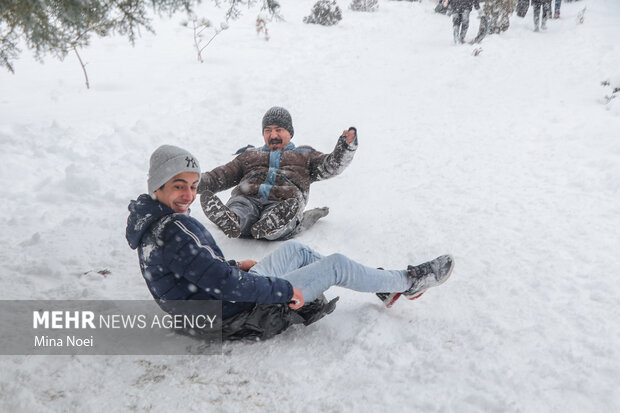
(509,160)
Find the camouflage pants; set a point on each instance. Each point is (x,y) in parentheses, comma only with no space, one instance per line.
(498,12)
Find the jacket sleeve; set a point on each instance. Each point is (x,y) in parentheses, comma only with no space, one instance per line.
(222,177)
(324,166)
(197,261)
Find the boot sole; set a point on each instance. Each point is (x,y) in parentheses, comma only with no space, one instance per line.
(276,219)
(220,215)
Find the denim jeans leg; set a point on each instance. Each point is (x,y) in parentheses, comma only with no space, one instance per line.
(313,273)
(288,257)
(338,270)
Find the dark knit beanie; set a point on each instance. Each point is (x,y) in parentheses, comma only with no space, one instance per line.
(279,116)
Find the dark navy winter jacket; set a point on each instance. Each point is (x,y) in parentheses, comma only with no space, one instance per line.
(180,260)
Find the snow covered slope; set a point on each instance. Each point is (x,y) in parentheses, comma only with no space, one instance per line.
(509,160)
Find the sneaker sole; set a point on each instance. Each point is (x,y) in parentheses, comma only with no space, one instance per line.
(391,298)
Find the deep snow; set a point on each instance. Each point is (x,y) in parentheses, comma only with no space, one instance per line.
(509,160)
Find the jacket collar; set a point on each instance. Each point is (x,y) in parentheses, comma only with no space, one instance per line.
(288,147)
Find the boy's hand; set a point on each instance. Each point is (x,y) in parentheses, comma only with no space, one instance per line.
(298,299)
(245,265)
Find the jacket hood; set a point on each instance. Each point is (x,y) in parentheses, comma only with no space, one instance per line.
(142,213)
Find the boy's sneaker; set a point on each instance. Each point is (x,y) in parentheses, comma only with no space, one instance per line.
(390,298)
(219,214)
(276,219)
(427,275)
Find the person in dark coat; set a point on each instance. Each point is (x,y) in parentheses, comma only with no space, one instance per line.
(272,183)
(558,5)
(180,260)
(460,17)
(537,5)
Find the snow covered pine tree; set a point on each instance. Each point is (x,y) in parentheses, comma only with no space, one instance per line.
(364,5)
(325,13)
(58,27)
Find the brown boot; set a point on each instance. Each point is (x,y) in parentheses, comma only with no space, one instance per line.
(219,214)
(275,220)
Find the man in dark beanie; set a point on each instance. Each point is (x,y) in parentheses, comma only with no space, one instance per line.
(272,183)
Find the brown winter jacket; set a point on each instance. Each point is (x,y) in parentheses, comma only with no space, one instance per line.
(278,175)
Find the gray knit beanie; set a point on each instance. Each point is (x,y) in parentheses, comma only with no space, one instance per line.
(279,116)
(168,161)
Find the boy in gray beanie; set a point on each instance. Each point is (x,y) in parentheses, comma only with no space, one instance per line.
(168,161)
(272,183)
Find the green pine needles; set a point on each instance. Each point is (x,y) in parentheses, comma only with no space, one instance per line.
(57,27)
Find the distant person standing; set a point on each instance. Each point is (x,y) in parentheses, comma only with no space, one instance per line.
(546,11)
(556,14)
(442,7)
(498,12)
(460,17)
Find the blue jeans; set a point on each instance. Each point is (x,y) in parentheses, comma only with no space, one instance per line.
(314,273)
